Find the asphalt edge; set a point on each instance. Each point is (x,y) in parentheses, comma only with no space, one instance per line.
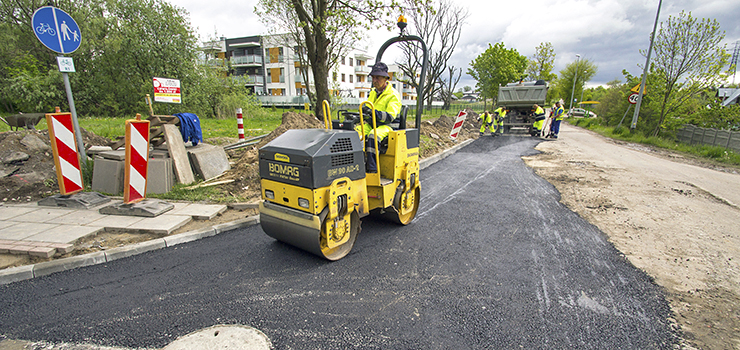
(20,273)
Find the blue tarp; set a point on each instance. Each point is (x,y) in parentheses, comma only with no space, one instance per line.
(190,128)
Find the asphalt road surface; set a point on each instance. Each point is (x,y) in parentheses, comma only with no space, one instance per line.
(492,260)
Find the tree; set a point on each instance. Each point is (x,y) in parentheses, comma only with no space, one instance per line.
(440,29)
(279,16)
(688,59)
(448,86)
(580,71)
(319,18)
(541,64)
(125,44)
(495,67)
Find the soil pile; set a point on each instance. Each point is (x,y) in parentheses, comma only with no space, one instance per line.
(27,171)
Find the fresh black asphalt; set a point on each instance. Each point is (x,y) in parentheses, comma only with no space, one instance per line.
(492,261)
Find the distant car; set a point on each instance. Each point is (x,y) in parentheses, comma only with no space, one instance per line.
(580,112)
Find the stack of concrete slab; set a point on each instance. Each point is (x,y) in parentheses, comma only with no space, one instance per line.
(108,173)
(208,161)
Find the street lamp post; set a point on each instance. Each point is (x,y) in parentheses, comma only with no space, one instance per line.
(584,75)
(578,57)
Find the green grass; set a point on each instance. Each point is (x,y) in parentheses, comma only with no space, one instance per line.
(261,122)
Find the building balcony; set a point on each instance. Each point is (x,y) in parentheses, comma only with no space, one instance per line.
(362,69)
(249,79)
(363,86)
(246,60)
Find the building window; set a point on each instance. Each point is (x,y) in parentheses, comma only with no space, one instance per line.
(343,77)
(362,94)
(334,75)
(350,61)
(350,77)
(343,60)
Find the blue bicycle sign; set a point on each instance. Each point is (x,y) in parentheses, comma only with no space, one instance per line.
(56,29)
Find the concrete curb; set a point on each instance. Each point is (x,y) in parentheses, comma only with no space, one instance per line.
(20,273)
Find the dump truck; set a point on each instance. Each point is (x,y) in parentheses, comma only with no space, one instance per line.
(315,189)
(519,99)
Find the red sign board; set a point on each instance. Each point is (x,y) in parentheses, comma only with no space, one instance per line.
(458,124)
(167,90)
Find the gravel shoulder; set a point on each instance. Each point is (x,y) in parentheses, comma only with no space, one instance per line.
(673,217)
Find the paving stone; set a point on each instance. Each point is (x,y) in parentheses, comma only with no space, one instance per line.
(22,230)
(42,215)
(163,224)
(64,234)
(82,217)
(108,175)
(4,224)
(5,247)
(114,222)
(44,252)
(20,249)
(9,212)
(63,248)
(201,211)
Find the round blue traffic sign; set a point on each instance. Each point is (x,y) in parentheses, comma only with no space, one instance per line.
(56,29)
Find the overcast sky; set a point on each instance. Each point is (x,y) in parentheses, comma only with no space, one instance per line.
(608,32)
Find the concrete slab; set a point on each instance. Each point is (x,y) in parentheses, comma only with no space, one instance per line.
(115,222)
(44,252)
(43,214)
(108,175)
(236,224)
(82,217)
(47,268)
(15,274)
(201,211)
(208,161)
(22,230)
(149,207)
(114,155)
(189,236)
(223,337)
(163,224)
(64,234)
(80,200)
(9,212)
(134,249)
(176,149)
(160,176)
(4,224)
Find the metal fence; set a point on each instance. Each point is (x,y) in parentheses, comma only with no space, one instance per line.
(693,135)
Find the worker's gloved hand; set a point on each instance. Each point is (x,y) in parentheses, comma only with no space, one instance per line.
(366,112)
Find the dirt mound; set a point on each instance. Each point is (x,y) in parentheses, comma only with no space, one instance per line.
(245,171)
(27,171)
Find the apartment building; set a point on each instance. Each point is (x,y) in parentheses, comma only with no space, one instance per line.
(268,65)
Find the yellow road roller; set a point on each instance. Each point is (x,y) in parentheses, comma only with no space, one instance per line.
(314,186)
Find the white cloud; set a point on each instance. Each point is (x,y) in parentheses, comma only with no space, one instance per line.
(608,32)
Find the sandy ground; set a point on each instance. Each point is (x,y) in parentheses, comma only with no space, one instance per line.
(672,217)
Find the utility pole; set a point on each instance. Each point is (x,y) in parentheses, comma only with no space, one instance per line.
(641,91)
(578,59)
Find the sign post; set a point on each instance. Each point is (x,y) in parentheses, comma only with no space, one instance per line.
(59,32)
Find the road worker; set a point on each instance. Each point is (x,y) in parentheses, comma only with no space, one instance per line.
(557,117)
(498,119)
(387,105)
(539,118)
(486,120)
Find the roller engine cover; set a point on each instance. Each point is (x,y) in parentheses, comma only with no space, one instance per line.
(312,158)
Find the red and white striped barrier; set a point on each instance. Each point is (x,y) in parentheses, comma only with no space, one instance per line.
(240,123)
(137,160)
(66,158)
(458,124)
